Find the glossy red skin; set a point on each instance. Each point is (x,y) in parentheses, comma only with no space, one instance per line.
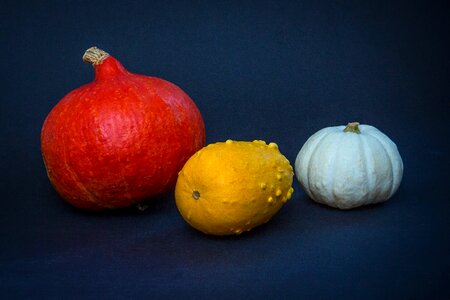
(120,139)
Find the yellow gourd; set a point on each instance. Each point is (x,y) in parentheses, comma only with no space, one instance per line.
(230,187)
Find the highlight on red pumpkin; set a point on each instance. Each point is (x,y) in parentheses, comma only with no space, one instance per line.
(120,139)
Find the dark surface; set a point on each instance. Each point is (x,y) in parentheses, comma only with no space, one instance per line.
(277,71)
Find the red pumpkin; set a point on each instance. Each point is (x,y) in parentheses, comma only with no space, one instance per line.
(119,139)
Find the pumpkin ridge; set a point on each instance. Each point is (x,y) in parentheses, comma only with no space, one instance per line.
(333,174)
(313,152)
(304,157)
(365,154)
(397,169)
(391,164)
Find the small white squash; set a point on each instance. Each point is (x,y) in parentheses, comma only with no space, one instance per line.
(349,166)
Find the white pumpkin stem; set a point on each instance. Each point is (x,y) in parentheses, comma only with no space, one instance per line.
(352,127)
(95,56)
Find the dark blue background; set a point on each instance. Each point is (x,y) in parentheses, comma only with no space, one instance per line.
(272,70)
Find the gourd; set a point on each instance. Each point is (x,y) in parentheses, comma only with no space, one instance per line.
(349,166)
(231,187)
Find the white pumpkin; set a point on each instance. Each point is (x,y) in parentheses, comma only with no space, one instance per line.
(349,166)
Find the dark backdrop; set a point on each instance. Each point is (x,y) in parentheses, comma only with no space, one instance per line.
(272,70)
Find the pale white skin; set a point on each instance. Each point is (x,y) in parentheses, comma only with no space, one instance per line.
(347,169)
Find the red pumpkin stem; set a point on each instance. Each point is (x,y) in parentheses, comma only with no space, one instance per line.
(95,56)
(352,127)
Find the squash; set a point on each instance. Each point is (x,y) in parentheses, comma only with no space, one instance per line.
(349,166)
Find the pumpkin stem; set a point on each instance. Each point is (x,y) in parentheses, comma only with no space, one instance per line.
(352,127)
(94,56)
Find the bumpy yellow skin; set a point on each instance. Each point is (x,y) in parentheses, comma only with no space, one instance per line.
(231,187)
